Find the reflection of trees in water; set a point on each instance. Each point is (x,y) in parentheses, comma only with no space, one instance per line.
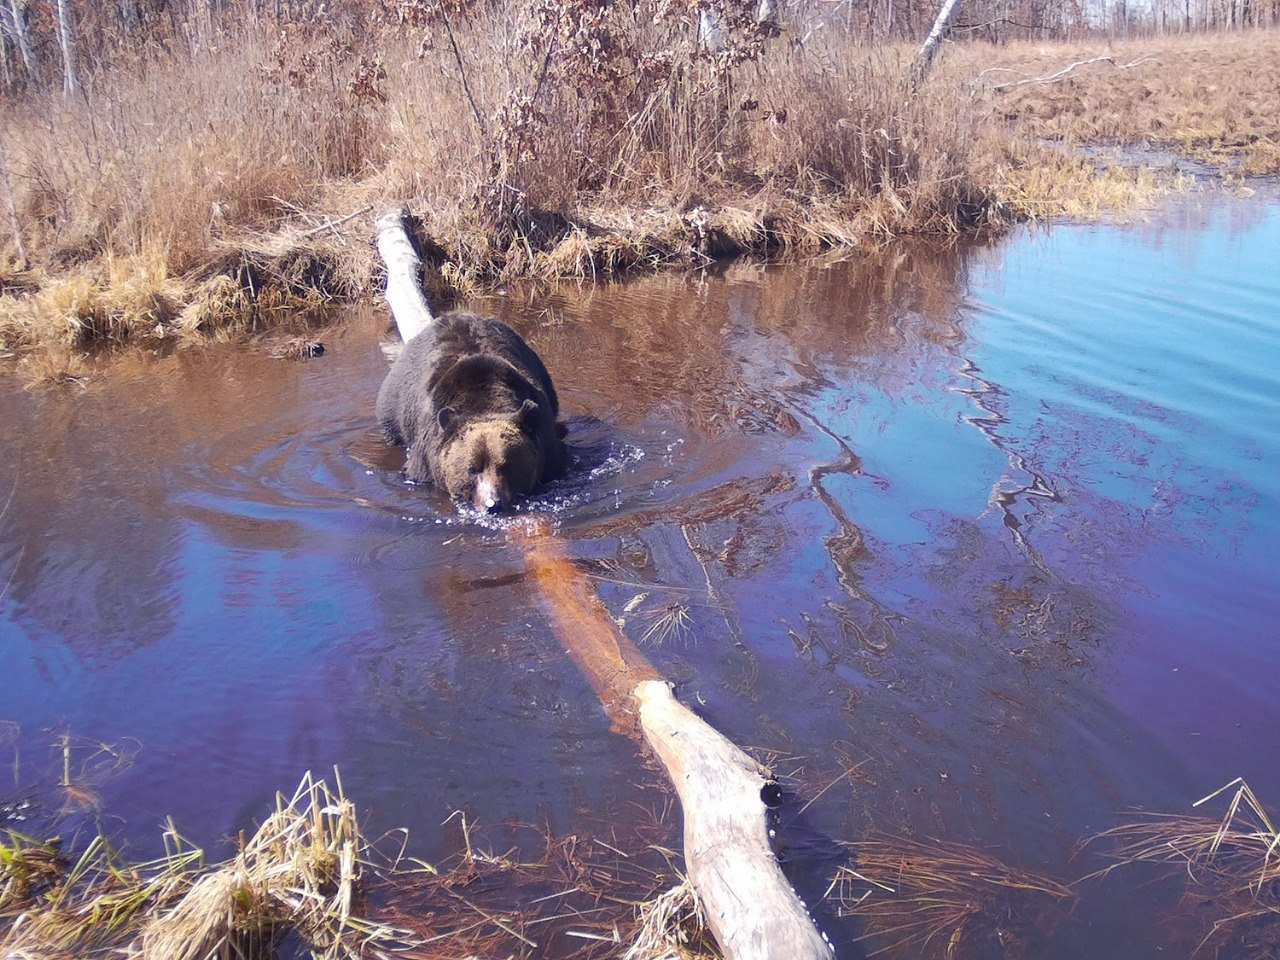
(743,354)
(724,354)
(774,364)
(1022,484)
(92,511)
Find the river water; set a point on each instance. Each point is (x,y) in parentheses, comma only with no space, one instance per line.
(975,542)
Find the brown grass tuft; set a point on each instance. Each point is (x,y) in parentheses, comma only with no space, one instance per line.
(937,899)
(1231,866)
(304,870)
(671,926)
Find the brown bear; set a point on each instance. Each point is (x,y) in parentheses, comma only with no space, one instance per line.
(476,411)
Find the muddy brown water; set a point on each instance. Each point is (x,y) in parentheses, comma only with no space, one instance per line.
(992,525)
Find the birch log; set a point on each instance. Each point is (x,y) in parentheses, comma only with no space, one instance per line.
(404,275)
(751,908)
(753,912)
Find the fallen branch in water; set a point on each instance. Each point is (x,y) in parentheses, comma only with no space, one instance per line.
(751,909)
(1066,71)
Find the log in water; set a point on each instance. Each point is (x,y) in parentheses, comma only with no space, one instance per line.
(750,906)
(752,910)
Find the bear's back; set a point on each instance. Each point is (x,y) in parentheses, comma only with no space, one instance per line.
(459,353)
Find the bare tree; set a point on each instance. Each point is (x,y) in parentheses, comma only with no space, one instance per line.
(12,205)
(929,49)
(15,24)
(67,41)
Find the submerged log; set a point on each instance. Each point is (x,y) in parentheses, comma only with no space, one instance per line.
(753,912)
(726,796)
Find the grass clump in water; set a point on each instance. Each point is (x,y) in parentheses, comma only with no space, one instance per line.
(1231,865)
(304,871)
(944,899)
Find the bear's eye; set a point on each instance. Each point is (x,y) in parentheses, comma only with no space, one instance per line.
(475,469)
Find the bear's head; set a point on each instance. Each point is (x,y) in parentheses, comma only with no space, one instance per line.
(493,460)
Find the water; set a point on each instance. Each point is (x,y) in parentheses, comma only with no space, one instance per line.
(990,525)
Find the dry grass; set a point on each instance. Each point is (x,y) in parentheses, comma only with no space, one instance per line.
(1231,866)
(942,899)
(309,871)
(580,897)
(1211,96)
(215,192)
(191,192)
(303,871)
(671,926)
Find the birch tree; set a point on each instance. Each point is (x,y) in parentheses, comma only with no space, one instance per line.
(16,23)
(67,41)
(929,49)
(11,206)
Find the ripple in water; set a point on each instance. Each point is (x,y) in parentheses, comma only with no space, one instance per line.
(597,455)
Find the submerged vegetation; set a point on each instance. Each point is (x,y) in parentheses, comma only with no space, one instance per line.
(940,899)
(1231,868)
(216,181)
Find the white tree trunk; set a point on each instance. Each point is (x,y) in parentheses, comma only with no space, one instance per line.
(67,41)
(752,910)
(404,276)
(929,49)
(12,205)
(22,36)
(4,52)
(712,32)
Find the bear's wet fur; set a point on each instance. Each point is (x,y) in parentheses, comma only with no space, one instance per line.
(476,411)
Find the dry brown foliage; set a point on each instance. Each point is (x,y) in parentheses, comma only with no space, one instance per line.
(190,191)
(216,188)
(1212,96)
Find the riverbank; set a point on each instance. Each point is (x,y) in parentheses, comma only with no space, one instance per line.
(173,200)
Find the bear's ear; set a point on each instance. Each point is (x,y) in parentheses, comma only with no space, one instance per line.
(527,416)
(446,417)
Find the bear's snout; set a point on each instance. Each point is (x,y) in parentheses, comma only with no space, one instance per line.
(491,497)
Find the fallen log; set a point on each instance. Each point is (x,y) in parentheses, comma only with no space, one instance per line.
(404,275)
(1065,72)
(726,796)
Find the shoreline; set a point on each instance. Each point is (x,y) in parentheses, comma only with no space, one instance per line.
(243,231)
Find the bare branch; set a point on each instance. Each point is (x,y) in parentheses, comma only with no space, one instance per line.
(466,87)
(1066,71)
